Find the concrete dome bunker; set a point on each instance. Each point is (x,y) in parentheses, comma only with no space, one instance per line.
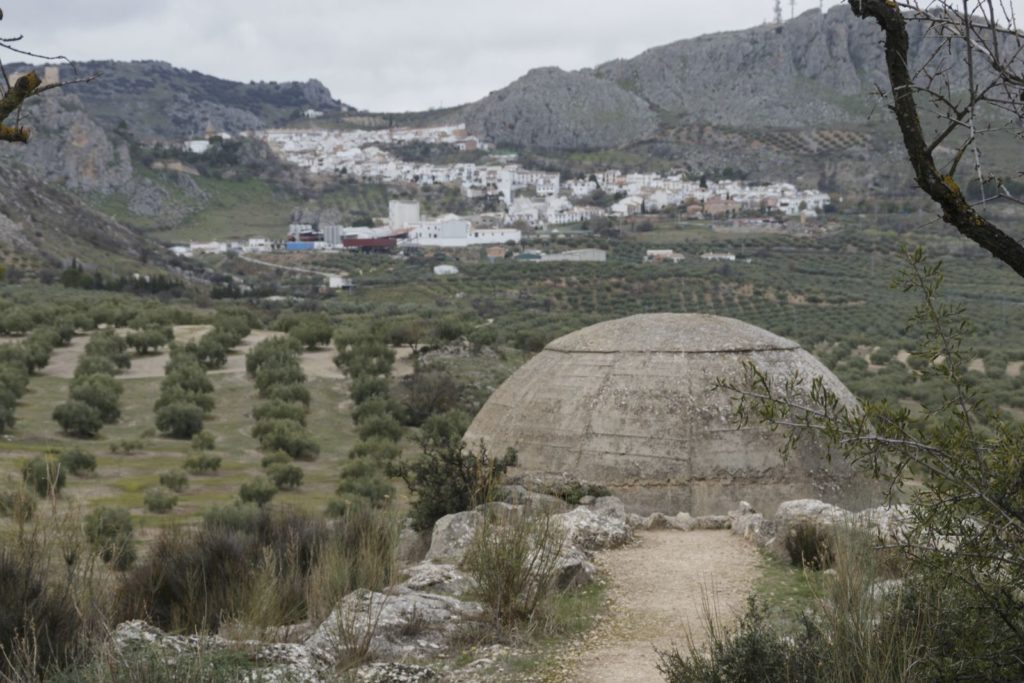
(631,404)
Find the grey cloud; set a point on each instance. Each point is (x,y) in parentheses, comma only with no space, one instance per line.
(381,55)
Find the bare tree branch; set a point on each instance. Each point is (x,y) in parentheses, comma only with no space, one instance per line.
(942,188)
(27,86)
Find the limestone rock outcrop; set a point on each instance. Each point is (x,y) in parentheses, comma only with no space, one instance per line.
(632,404)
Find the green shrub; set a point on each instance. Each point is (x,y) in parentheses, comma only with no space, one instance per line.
(449,477)
(290,393)
(35,612)
(428,392)
(515,563)
(285,475)
(189,375)
(110,345)
(364,481)
(177,394)
(14,376)
(809,545)
(288,437)
(8,406)
(375,406)
(149,339)
(202,464)
(212,349)
(128,446)
(203,441)
(380,427)
(365,388)
(312,333)
(102,392)
(180,420)
(267,425)
(574,491)
(18,503)
(376,449)
(175,480)
(109,531)
(754,650)
(275,458)
(259,490)
(159,499)
(273,351)
(245,562)
(270,376)
(242,517)
(95,365)
(77,461)
(44,474)
(279,410)
(78,419)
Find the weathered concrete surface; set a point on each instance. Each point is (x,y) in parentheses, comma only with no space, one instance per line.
(631,404)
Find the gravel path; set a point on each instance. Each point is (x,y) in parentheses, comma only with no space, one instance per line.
(656,589)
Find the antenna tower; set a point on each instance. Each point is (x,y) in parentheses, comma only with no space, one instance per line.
(792,9)
(778,12)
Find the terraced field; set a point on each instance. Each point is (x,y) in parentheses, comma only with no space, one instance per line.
(121,479)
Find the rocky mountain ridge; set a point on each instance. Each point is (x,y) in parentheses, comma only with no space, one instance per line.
(797,102)
(817,70)
(157,102)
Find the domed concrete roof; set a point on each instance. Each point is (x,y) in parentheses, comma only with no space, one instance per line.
(632,404)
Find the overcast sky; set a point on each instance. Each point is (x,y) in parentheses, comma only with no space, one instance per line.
(383,55)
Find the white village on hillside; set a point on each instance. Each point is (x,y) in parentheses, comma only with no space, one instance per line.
(529,198)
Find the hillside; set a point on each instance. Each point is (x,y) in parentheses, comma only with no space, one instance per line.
(83,135)
(796,101)
(157,102)
(42,228)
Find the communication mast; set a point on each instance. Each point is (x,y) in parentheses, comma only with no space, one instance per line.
(792,9)
(778,12)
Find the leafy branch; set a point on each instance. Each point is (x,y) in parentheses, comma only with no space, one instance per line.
(959,463)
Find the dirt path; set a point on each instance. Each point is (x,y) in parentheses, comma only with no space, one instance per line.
(656,591)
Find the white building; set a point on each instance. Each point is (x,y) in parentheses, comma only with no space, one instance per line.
(578,255)
(718,256)
(630,206)
(196,146)
(313,114)
(455,233)
(208,248)
(339,282)
(257,244)
(663,256)
(445,269)
(402,214)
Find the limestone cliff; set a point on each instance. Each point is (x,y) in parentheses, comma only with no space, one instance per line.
(68,147)
(555,108)
(43,227)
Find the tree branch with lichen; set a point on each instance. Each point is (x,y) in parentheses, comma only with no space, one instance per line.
(942,188)
(27,86)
